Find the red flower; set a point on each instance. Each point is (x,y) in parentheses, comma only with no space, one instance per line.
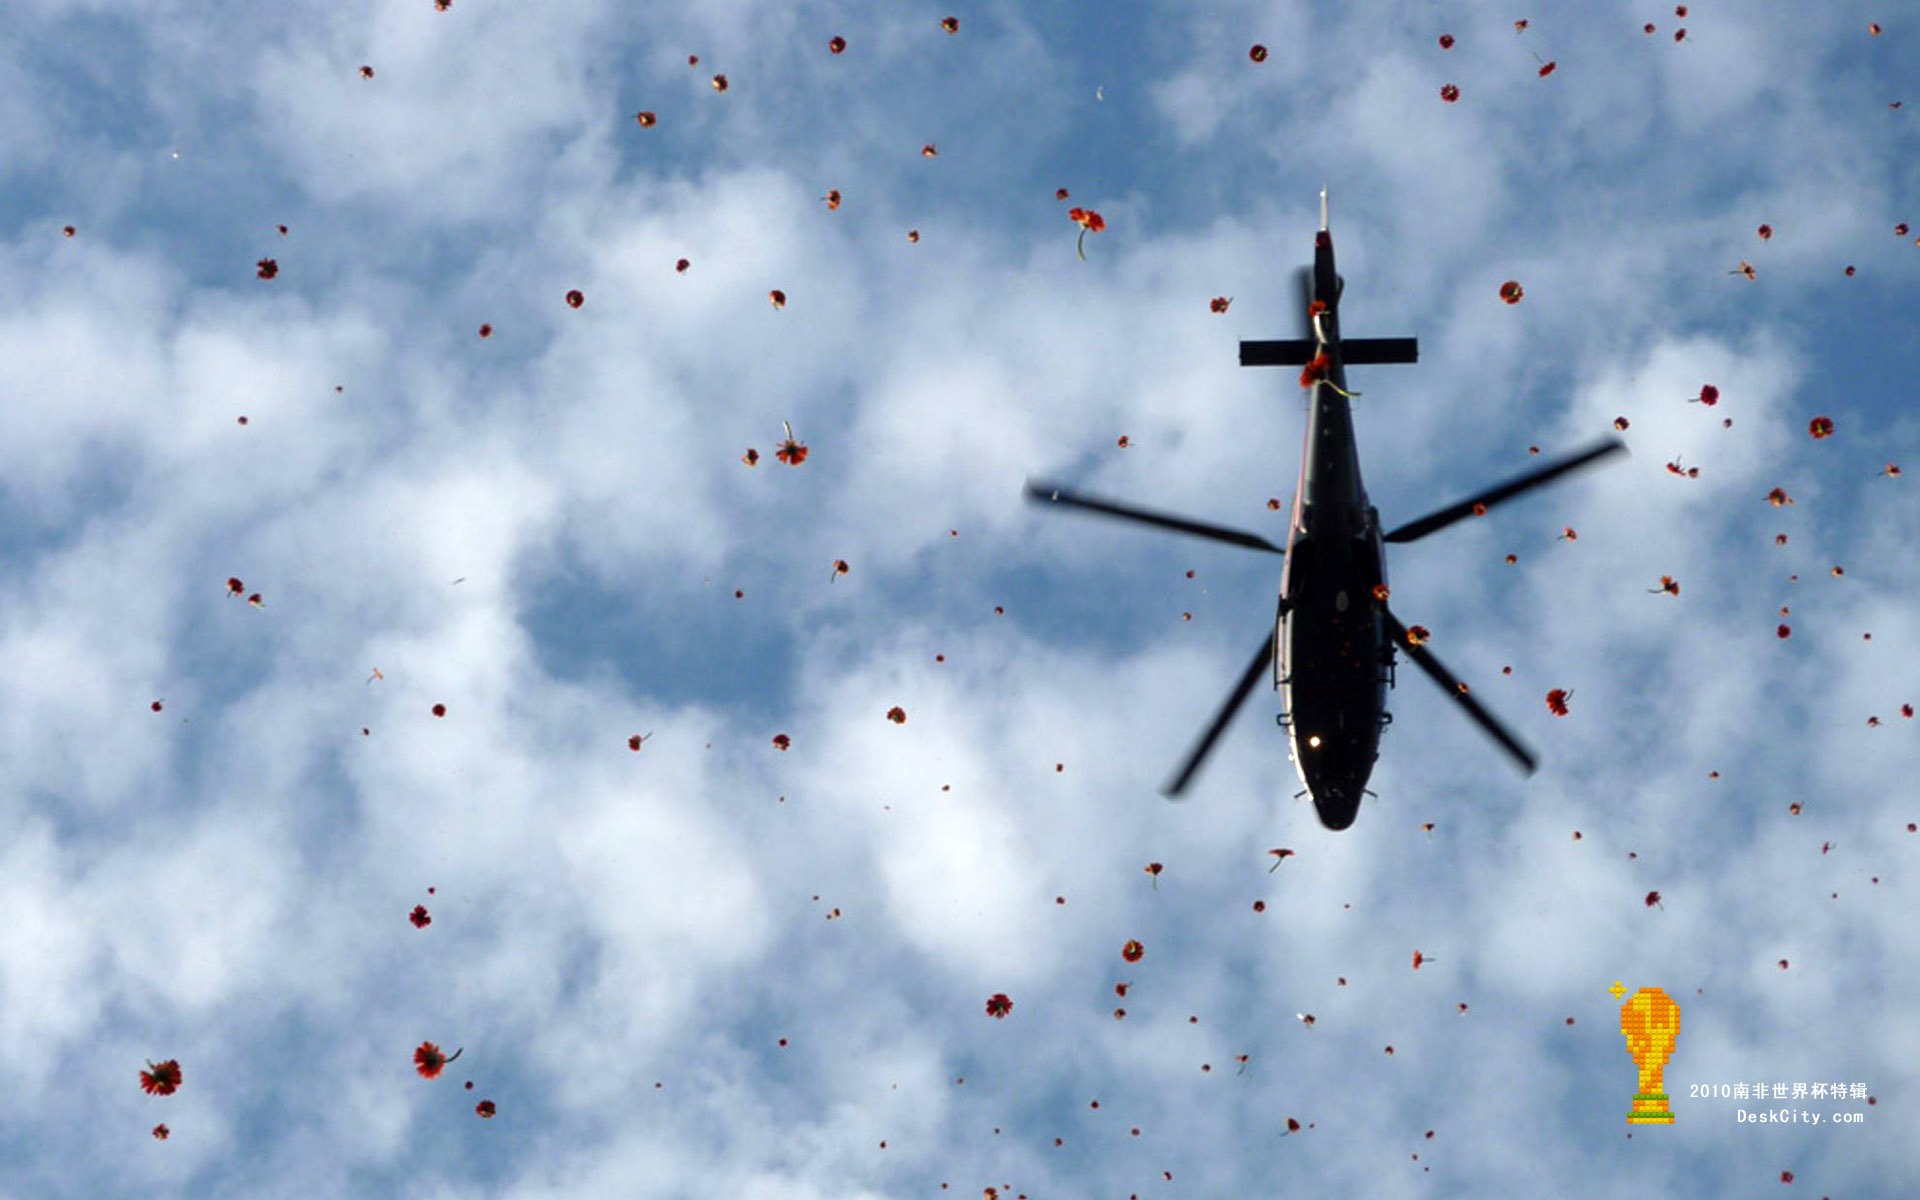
(1417,635)
(1258,53)
(1778,498)
(439,710)
(1419,958)
(999,1005)
(485,1108)
(897,715)
(1133,951)
(647,119)
(781,741)
(1279,856)
(1709,395)
(161,1132)
(162,1080)
(1557,701)
(1446,41)
(1820,427)
(1546,69)
(156,706)
(777,298)
(266,268)
(1449,93)
(791,452)
(680,266)
(429,1061)
(1766,233)
(1679,35)
(1653,898)
(1315,370)
(1668,584)
(1520,26)
(576,298)
(833,199)
(637,740)
(420,917)
(1746,268)
(840,568)
(719,83)
(1220,303)
(837,45)
(1783,632)
(950,24)
(1153,870)
(751,457)
(929,151)
(1511,291)
(1089,222)
(486,331)
(366,72)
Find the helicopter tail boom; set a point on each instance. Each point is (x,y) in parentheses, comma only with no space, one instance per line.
(1298,352)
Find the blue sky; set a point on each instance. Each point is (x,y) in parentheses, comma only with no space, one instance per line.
(544,530)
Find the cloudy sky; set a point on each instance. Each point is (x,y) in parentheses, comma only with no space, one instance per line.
(721,967)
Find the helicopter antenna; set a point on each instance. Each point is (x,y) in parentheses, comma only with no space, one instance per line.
(1323,210)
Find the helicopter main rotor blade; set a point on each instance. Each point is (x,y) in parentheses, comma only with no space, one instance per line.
(1414,530)
(1451,684)
(1262,661)
(1048,493)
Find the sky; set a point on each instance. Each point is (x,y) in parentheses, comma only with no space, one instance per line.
(336,589)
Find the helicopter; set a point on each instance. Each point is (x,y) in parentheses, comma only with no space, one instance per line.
(1333,645)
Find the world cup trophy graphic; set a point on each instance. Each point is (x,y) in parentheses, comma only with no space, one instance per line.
(1651,1021)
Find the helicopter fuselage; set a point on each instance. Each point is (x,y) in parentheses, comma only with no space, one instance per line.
(1333,658)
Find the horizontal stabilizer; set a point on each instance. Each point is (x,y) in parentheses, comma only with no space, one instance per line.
(1297,352)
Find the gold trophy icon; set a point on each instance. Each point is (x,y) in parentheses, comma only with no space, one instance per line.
(1651,1021)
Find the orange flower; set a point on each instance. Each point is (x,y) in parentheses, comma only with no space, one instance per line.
(719,83)
(1746,268)
(777,298)
(1315,370)
(751,457)
(1417,635)
(1778,498)
(790,452)
(1668,585)
(162,1080)
(929,151)
(1089,222)
(647,119)
(833,199)
(429,1061)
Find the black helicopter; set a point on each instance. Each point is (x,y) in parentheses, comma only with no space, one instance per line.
(1332,647)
